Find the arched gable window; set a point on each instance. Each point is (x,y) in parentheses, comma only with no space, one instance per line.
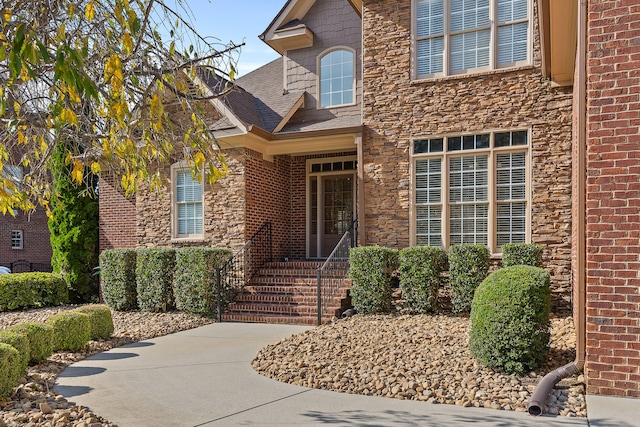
(337,78)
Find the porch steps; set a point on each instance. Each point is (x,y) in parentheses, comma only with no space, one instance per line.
(285,292)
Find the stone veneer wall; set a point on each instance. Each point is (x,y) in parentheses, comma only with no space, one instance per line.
(613,198)
(395,109)
(117,221)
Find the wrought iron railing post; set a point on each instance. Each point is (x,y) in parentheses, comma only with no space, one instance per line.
(319,296)
(219,293)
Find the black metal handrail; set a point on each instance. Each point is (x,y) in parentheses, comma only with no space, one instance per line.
(232,277)
(332,274)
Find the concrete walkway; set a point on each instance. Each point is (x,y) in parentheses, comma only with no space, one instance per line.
(203,377)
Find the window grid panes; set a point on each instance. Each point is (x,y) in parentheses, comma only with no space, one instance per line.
(336,78)
(453,36)
(189,204)
(485,178)
(16,239)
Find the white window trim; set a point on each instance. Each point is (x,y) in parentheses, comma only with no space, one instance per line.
(493,57)
(175,237)
(319,77)
(21,233)
(492,200)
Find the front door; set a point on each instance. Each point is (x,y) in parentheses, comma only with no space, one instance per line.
(332,207)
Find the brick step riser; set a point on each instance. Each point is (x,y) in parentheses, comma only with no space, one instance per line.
(254,318)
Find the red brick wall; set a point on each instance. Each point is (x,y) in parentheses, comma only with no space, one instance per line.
(117,216)
(613,198)
(36,246)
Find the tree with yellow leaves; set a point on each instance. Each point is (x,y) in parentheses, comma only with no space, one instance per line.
(119,81)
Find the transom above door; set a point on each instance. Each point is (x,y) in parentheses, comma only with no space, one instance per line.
(331,203)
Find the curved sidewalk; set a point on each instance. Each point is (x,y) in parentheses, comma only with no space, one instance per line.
(203,377)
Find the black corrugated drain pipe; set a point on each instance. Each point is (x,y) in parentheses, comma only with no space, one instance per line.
(536,403)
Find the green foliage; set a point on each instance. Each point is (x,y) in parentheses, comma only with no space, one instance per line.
(21,343)
(371,269)
(521,254)
(469,265)
(100,320)
(71,330)
(118,278)
(10,371)
(32,290)
(510,319)
(194,282)
(40,337)
(420,271)
(73,227)
(154,278)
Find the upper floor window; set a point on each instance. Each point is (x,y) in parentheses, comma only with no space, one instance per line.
(188,205)
(456,36)
(337,78)
(16,239)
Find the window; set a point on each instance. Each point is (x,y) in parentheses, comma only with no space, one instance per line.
(188,205)
(336,78)
(455,36)
(16,239)
(471,189)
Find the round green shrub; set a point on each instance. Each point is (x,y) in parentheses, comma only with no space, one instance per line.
(100,320)
(521,254)
(40,336)
(118,278)
(20,342)
(32,290)
(10,371)
(154,278)
(71,330)
(469,265)
(371,270)
(420,271)
(510,319)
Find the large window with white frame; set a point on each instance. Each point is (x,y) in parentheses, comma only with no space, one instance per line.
(337,78)
(458,36)
(471,189)
(187,201)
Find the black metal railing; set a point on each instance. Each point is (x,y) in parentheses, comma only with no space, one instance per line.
(24,266)
(332,274)
(236,273)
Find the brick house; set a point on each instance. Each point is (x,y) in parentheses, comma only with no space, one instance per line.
(435,122)
(25,237)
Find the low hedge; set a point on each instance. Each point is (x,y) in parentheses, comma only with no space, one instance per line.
(468,267)
(32,290)
(154,279)
(510,319)
(21,343)
(371,270)
(100,321)
(40,337)
(521,254)
(118,278)
(71,330)
(10,371)
(194,281)
(421,269)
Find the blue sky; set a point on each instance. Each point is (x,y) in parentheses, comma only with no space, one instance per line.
(238,21)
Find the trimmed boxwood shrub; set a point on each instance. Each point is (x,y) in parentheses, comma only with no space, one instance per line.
(521,254)
(10,371)
(421,270)
(468,267)
(40,337)
(71,330)
(194,280)
(118,278)
(371,269)
(32,290)
(154,279)
(19,342)
(100,320)
(510,319)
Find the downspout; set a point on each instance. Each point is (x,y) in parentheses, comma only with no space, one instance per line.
(539,396)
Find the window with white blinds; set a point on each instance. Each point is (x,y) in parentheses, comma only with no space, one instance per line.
(456,36)
(471,189)
(188,204)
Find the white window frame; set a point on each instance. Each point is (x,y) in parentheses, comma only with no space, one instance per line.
(353,73)
(447,34)
(492,152)
(175,235)
(17,239)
